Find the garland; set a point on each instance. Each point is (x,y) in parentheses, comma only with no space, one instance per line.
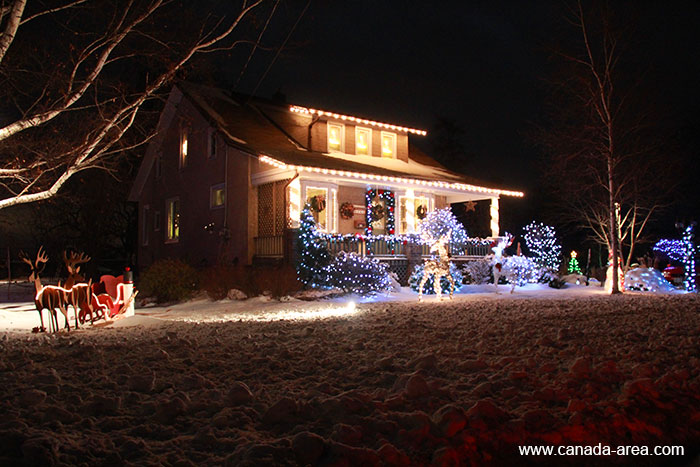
(377,212)
(347,210)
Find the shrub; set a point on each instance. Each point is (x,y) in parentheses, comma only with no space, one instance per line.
(355,274)
(417,276)
(520,270)
(478,272)
(168,280)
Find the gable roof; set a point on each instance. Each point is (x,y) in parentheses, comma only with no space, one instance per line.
(257,126)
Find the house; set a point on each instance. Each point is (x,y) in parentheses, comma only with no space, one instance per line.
(225,178)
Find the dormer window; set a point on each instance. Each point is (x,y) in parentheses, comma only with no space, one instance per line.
(363,141)
(388,145)
(336,134)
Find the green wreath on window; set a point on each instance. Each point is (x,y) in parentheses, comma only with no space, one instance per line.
(421,212)
(318,203)
(378,212)
(347,210)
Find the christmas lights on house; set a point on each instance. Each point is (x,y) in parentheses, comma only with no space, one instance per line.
(683,251)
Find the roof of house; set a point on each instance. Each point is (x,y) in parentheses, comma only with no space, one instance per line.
(258,127)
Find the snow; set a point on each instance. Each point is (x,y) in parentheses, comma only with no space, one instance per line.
(355,381)
(647,279)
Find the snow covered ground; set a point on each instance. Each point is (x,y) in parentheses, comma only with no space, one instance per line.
(387,381)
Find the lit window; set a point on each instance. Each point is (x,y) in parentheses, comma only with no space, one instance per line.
(156,221)
(317,199)
(144,225)
(388,145)
(335,137)
(363,141)
(217,196)
(184,142)
(412,210)
(173,211)
(212,144)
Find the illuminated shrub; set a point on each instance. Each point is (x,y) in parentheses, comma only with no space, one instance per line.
(355,274)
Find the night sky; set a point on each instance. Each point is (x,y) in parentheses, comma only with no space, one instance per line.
(481,64)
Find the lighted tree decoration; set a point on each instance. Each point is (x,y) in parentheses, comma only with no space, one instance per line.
(684,251)
(574,267)
(312,249)
(442,222)
(545,250)
(355,274)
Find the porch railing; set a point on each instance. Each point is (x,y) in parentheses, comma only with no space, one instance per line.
(274,247)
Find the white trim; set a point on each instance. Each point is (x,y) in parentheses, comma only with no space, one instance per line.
(309,112)
(369,140)
(342,136)
(381,144)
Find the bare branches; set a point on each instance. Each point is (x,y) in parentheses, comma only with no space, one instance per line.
(82,104)
(12,21)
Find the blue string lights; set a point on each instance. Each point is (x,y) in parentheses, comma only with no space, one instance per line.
(683,251)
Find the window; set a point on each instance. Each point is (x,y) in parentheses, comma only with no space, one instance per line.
(156,221)
(336,136)
(173,212)
(388,145)
(363,141)
(217,196)
(184,143)
(159,165)
(144,225)
(412,210)
(212,143)
(317,199)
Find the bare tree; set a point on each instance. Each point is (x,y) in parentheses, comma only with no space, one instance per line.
(599,140)
(76,74)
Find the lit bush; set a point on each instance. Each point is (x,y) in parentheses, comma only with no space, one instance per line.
(417,276)
(478,272)
(355,274)
(169,280)
(520,270)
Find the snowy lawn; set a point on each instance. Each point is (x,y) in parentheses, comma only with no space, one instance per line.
(390,381)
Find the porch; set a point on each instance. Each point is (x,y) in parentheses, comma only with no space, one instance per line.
(401,253)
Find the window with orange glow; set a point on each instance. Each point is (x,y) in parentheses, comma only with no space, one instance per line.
(388,145)
(363,141)
(335,137)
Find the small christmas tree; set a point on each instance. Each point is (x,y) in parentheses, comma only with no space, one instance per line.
(312,250)
(428,289)
(574,267)
(442,222)
(541,242)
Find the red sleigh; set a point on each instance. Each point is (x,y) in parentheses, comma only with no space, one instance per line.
(109,294)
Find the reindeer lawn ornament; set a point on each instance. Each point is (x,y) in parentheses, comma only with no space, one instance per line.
(47,297)
(438,268)
(79,293)
(497,247)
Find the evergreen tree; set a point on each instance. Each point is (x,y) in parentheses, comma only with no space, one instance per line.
(312,250)
(574,267)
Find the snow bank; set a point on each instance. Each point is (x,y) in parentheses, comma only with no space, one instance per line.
(647,280)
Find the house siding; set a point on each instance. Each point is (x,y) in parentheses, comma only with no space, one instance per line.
(191,184)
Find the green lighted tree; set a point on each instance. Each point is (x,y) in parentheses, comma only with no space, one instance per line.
(312,250)
(574,267)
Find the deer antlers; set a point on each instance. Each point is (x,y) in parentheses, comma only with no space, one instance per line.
(74,259)
(41,258)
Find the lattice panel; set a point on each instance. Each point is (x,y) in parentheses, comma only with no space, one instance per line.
(280,207)
(400,267)
(266,226)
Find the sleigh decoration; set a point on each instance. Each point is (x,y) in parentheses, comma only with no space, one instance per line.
(115,295)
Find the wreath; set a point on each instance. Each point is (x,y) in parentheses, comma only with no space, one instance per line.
(318,203)
(378,212)
(347,210)
(421,212)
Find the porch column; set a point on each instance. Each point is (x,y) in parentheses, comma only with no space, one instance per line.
(495,228)
(294,200)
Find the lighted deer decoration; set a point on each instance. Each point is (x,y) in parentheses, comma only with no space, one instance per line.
(78,293)
(498,246)
(47,297)
(438,267)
